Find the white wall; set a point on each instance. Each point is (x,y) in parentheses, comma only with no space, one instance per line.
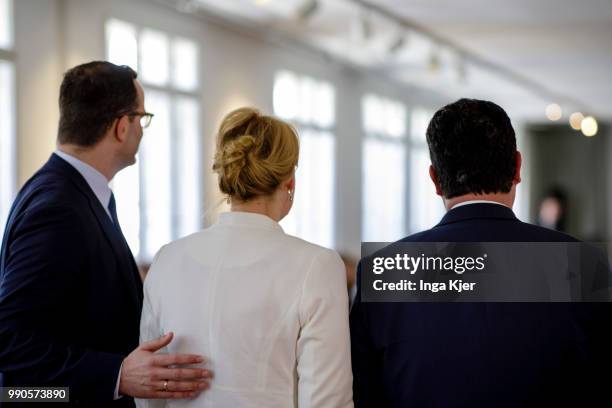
(237,68)
(39,66)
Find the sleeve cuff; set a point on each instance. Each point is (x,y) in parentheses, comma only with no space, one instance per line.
(117,396)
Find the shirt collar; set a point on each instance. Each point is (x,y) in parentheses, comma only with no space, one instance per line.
(96,180)
(486,210)
(476,202)
(249,220)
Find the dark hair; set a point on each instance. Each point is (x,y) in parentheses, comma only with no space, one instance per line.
(472,146)
(92,95)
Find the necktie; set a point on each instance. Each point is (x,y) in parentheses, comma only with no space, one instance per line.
(112,208)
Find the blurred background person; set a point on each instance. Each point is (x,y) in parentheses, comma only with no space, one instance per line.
(268,309)
(553,210)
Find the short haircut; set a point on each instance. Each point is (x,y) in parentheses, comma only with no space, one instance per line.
(472,146)
(92,96)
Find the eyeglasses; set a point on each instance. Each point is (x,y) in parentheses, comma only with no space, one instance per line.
(145,117)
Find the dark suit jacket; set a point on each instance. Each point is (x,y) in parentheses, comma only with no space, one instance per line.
(70,293)
(478,354)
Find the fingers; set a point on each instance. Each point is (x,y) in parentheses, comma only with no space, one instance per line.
(181,374)
(173,395)
(177,359)
(177,389)
(180,386)
(158,343)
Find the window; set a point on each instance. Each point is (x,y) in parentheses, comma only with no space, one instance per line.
(6,24)
(426,207)
(7,113)
(310,105)
(384,173)
(158,199)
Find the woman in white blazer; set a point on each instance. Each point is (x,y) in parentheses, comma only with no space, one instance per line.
(267,309)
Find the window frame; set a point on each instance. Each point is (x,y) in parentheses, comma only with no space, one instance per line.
(8,56)
(174,94)
(401,141)
(314,129)
(414,145)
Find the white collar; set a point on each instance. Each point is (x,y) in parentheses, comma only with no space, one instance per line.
(476,202)
(96,180)
(248,219)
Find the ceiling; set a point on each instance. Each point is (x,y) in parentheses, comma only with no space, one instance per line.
(565,46)
(523,54)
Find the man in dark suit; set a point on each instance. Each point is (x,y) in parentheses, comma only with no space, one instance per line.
(477,354)
(70,292)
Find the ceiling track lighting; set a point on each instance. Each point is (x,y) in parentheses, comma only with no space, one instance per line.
(433,64)
(589,126)
(307,10)
(397,44)
(365,26)
(575,120)
(461,70)
(554,112)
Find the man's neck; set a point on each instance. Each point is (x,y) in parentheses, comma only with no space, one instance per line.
(93,157)
(506,199)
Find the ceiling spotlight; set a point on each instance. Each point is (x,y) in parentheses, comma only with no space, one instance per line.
(307,9)
(433,64)
(365,26)
(575,120)
(554,112)
(397,44)
(589,126)
(461,70)
(261,2)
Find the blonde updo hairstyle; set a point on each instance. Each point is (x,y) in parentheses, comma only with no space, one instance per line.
(255,154)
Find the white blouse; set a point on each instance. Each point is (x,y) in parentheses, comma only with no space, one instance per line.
(269,311)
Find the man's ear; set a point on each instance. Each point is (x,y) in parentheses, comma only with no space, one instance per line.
(517,173)
(434,178)
(121,128)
